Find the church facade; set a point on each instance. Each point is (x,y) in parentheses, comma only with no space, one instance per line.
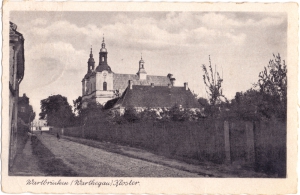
(100,84)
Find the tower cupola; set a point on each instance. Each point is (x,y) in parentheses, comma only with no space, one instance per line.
(142,72)
(91,62)
(141,62)
(103,59)
(103,49)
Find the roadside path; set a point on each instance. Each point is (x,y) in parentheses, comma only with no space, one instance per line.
(91,161)
(26,164)
(203,169)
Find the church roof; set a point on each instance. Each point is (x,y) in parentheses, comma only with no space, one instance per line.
(142,70)
(101,68)
(157,96)
(88,74)
(121,80)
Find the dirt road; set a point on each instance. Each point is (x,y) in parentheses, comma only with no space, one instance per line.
(90,161)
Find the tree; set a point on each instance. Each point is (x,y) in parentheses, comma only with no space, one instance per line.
(203,102)
(91,115)
(77,105)
(213,87)
(31,116)
(213,83)
(269,100)
(272,84)
(273,80)
(117,93)
(247,106)
(56,110)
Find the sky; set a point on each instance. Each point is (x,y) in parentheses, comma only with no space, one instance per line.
(57,47)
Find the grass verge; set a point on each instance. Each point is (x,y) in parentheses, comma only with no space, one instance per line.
(48,163)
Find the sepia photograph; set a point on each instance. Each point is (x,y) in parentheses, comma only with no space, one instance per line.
(147,94)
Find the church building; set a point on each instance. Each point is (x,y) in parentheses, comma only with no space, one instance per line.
(101,84)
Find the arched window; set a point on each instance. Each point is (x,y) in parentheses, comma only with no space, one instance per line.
(104,86)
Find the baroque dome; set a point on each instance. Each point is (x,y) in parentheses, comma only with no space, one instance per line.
(103,50)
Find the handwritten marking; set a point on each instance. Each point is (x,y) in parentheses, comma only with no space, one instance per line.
(80,182)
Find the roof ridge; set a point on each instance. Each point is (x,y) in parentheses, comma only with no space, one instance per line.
(123,74)
(125,92)
(136,74)
(165,86)
(158,75)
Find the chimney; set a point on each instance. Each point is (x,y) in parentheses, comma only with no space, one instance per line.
(130,84)
(186,86)
(152,84)
(169,85)
(172,81)
(170,76)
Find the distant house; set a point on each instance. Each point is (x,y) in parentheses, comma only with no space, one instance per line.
(143,97)
(25,111)
(44,125)
(40,125)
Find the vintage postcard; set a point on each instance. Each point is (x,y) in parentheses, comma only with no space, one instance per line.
(168,98)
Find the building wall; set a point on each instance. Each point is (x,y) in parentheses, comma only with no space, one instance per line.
(142,76)
(91,86)
(103,96)
(16,64)
(83,86)
(25,111)
(102,77)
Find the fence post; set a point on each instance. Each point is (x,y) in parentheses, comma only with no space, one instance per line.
(227,142)
(82,131)
(250,143)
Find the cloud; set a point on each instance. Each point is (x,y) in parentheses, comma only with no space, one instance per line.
(41,32)
(217,20)
(39,21)
(176,22)
(52,60)
(143,33)
(270,21)
(227,21)
(56,51)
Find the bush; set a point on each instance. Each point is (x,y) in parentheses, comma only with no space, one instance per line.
(177,113)
(131,114)
(149,115)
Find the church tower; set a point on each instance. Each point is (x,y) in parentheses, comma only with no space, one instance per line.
(100,84)
(103,59)
(86,81)
(91,62)
(104,78)
(142,72)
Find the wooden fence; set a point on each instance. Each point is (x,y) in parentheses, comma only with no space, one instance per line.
(258,145)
